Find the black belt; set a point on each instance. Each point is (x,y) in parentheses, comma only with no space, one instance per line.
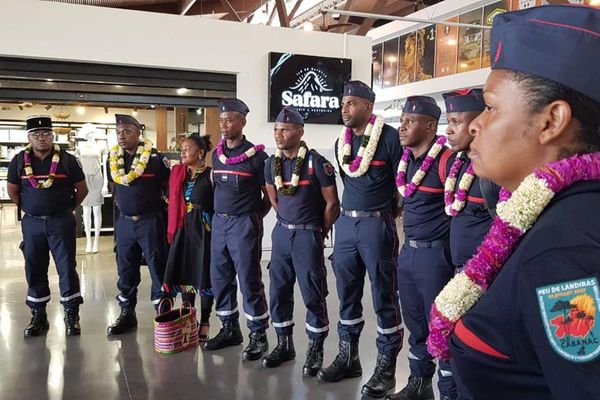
(362,214)
(140,217)
(309,227)
(417,244)
(62,214)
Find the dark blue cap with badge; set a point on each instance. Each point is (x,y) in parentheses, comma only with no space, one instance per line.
(359,89)
(233,105)
(423,105)
(289,115)
(37,122)
(557,42)
(123,119)
(464,101)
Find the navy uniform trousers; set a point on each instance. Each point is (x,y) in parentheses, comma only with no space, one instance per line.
(236,249)
(368,244)
(298,253)
(135,240)
(422,273)
(54,234)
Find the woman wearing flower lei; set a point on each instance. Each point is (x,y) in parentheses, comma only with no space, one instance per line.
(305,216)
(241,202)
(190,213)
(424,263)
(366,239)
(465,196)
(521,320)
(138,177)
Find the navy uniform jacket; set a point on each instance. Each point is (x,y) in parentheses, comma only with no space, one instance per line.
(59,197)
(424,215)
(306,206)
(535,333)
(376,189)
(468,228)
(143,195)
(238,186)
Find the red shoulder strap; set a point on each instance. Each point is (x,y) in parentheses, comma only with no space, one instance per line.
(442,165)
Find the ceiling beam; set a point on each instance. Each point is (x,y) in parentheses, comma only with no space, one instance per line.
(230,10)
(367,24)
(185,5)
(295,10)
(272,16)
(284,22)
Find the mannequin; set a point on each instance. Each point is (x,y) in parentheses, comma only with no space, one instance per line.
(92,156)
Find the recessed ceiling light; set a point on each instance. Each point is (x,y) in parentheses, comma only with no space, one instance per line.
(181,90)
(80,110)
(308,26)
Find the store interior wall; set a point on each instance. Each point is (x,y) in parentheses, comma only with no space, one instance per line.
(94,115)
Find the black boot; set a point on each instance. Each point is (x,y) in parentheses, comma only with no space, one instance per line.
(283,352)
(72,321)
(39,323)
(257,347)
(229,335)
(345,365)
(314,357)
(383,379)
(417,388)
(126,322)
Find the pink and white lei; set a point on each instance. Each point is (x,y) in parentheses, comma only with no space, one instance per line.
(237,159)
(407,190)
(455,202)
(361,163)
(516,215)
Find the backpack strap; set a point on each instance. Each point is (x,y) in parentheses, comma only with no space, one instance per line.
(442,164)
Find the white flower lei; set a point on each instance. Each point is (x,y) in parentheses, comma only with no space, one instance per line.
(373,131)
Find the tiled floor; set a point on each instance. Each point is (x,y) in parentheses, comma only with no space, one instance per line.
(94,367)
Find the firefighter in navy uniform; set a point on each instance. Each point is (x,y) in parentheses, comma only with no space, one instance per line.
(47,184)
(302,190)
(534,333)
(366,240)
(241,202)
(140,228)
(424,264)
(471,218)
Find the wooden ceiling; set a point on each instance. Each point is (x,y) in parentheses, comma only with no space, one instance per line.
(283,10)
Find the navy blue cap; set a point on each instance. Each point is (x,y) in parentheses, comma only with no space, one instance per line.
(233,105)
(289,115)
(423,105)
(123,119)
(557,42)
(464,101)
(359,89)
(37,122)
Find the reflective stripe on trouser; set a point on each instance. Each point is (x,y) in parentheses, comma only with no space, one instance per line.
(298,254)
(236,249)
(422,273)
(368,245)
(137,241)
(42,237)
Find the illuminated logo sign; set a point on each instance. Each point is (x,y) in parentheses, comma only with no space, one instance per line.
(314,85)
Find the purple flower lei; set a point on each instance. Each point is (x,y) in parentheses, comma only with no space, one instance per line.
(461,194)
(237,159)
(503,239)
(354,164)
(427,163)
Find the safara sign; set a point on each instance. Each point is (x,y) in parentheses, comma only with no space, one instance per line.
(314,85)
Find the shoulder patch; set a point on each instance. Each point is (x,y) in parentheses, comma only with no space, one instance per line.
(328,168)
(167,162)
(570,313)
